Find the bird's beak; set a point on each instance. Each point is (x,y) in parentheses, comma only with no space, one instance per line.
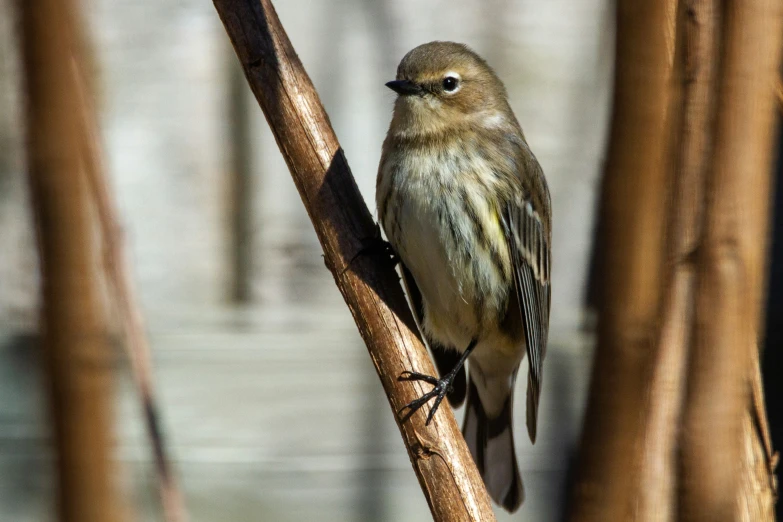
(404,87)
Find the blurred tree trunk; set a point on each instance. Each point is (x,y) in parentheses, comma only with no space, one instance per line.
(77,354)
(721,439)
(632,264)
(675,427)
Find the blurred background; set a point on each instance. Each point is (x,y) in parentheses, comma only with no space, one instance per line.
(271,405)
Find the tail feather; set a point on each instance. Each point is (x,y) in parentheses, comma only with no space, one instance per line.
(491,442)
(532,409)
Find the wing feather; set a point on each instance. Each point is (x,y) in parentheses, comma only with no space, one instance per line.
(530,252)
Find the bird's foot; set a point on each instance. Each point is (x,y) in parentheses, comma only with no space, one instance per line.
(441,388)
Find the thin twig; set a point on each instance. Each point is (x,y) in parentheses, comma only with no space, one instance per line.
(115,263)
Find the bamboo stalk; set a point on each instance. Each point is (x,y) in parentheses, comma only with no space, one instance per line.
(446,472)
(77,353)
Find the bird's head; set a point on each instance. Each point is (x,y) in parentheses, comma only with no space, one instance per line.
(444,85)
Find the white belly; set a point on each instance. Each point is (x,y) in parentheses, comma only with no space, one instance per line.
(449,300)
(464,292)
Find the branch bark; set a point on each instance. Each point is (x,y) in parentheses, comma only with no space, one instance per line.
(446,472)
(76,348)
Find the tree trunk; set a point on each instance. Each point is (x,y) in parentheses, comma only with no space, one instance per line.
(731,275)
(610,481)
(77,353)
(676,427)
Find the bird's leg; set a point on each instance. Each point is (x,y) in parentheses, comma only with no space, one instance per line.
(441,388)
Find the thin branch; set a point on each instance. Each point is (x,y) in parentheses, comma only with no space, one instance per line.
(370,287)
(115,262)
(241,186)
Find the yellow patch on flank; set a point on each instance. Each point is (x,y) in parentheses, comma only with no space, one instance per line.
(497,229)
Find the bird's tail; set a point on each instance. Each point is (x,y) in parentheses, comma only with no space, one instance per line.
(491,442)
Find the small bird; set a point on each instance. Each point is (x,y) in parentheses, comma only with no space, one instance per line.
(466,209)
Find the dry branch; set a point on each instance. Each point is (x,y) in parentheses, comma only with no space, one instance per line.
(370,287)
(118,273)
(76,348)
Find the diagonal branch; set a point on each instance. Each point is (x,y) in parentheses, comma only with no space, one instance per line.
(440,457)
(118,274)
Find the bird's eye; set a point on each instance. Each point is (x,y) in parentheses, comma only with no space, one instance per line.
(450,84)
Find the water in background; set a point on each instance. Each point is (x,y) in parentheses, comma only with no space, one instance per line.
(273,409)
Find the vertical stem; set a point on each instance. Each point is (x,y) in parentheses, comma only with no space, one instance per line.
(731,274)
(77,354)
(609,481)
(118,272)
(695,66)
(241,200)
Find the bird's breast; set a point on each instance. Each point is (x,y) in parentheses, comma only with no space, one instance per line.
(439,213)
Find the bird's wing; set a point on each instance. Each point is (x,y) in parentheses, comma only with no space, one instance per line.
(445,358)
(528,239)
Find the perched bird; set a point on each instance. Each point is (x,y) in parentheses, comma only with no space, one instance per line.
(465,206)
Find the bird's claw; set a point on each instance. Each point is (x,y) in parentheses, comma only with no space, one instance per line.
(441,388)
(416,376)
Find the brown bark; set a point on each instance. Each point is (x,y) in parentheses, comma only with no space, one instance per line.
(758,483)
(731,268)
(123,295)
(695,79)
(440,458)
(686,439)
(610,480)
(77,354)
(692,110)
